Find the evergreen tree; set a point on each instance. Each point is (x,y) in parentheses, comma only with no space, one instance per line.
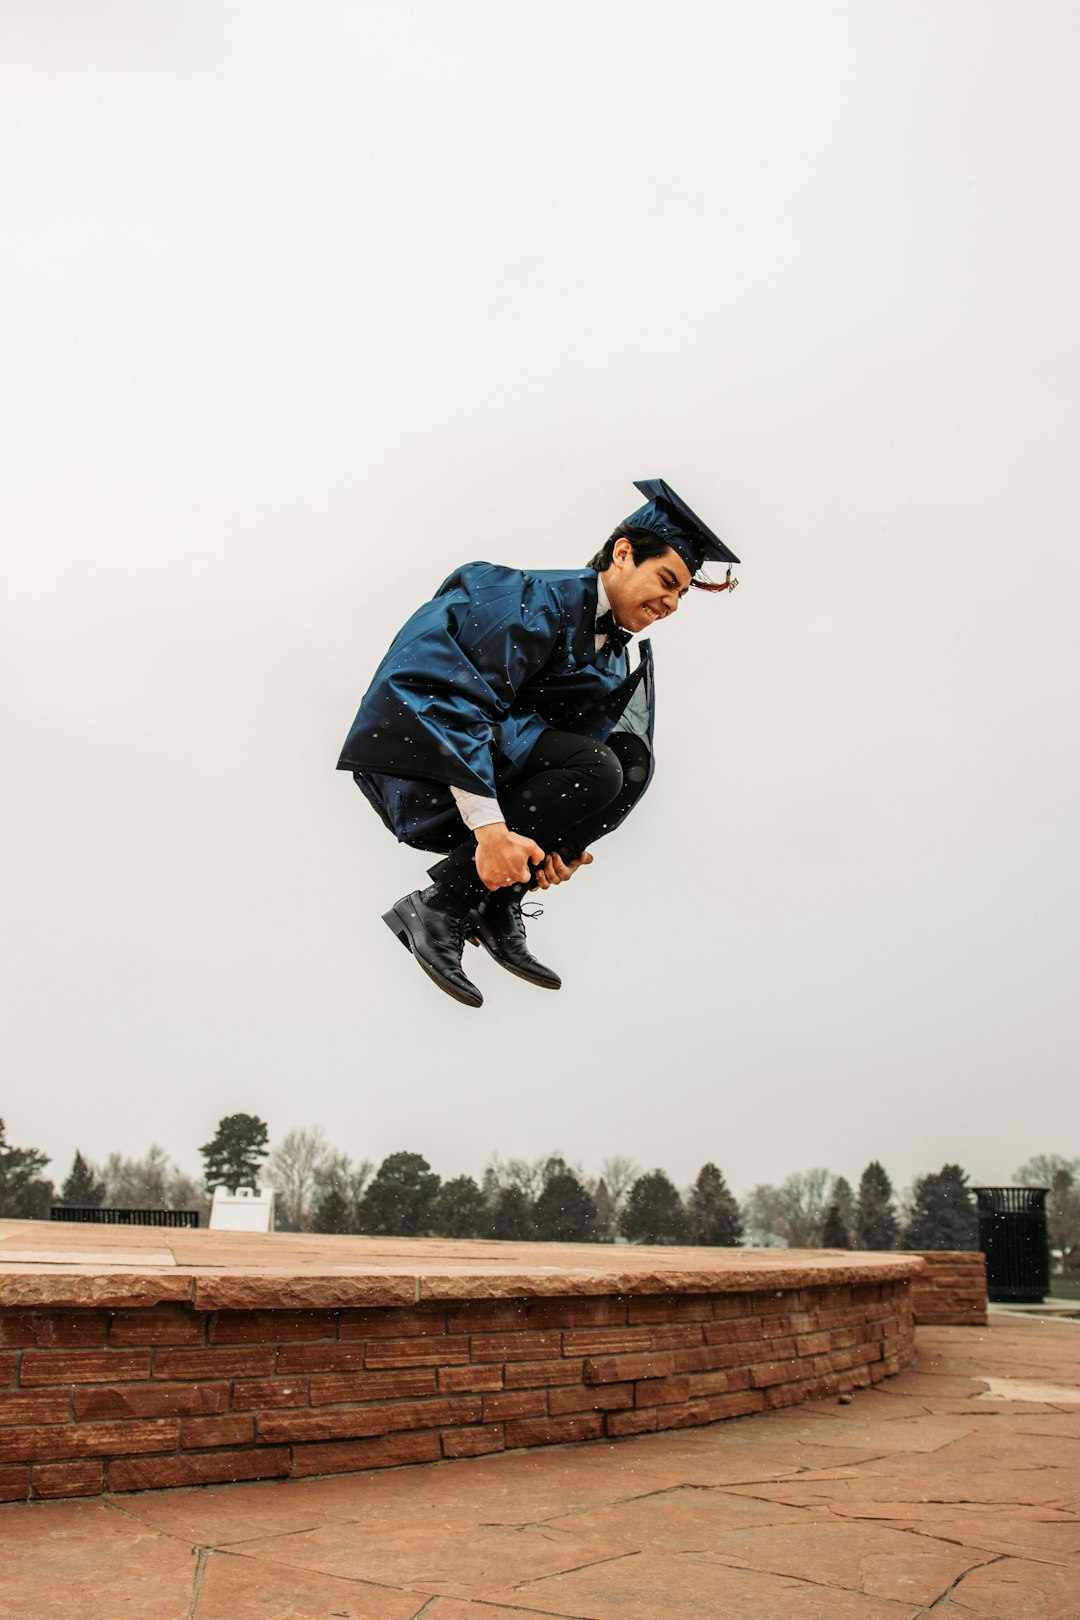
(876,1226)
(563,1212)
(606,1220)
(510,1219)
(334,1196)
(233,1158)
(459,1210)
(942,1212)
(841,1195)
(834,1233)
(654,1211)
(25,1195)
(334,1210)
(398,1202)
(83,1189)
(713,1213)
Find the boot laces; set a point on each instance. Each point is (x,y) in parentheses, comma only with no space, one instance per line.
(454,916)
(519,911)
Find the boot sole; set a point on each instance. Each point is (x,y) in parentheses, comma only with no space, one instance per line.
(541,984)
(397,925)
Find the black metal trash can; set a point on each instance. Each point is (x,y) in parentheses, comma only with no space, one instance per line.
(1014,1239)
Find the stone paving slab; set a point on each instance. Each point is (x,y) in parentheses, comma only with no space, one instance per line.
(64,1263)
(902,1504)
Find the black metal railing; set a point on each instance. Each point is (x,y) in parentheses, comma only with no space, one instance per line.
(125,1217)
(1014,1239)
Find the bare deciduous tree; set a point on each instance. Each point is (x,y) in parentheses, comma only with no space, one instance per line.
(337,1169)
(793,1213)
(1062,1177)
(619,1175)
(293,1172)
(153,1182)
(527,1176)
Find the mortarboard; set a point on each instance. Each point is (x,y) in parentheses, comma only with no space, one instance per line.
(667,515)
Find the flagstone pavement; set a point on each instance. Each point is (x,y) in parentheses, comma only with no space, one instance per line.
(951,1491)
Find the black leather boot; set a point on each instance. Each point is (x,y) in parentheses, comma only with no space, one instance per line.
(497,925)
(431,924)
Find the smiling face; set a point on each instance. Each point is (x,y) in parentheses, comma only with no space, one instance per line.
(641,593)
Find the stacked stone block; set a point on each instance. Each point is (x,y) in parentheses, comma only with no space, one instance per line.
(131,1399)
(952,1289)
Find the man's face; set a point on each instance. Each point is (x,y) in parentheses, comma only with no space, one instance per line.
(642,593)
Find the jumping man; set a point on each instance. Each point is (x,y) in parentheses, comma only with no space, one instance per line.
(505,730)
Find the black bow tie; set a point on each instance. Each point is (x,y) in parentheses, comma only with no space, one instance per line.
(606,626)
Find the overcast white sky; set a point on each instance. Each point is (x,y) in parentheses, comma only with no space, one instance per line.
(305,304)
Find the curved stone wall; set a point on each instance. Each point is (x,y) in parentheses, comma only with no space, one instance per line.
(131,1379)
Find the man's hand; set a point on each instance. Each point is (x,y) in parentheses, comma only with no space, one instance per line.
(502,856)
(556,870)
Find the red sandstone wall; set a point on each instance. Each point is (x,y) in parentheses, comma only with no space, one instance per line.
(126,1400)
(952,1289)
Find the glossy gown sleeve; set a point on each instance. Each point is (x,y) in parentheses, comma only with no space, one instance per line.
(451,676)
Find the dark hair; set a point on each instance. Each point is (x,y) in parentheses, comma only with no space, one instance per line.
(642,543)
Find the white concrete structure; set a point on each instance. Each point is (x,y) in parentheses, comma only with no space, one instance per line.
(248,1209)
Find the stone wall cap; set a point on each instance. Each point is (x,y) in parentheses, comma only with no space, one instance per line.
(42,1263)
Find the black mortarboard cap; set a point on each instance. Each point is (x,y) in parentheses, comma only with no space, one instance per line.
(667,515)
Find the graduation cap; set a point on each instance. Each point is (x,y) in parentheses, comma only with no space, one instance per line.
(667,516)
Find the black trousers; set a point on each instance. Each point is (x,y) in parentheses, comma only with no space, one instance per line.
(571,793)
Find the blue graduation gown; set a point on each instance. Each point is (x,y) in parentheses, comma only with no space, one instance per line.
(496,657)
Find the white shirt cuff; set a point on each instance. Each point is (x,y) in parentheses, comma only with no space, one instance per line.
(476,811)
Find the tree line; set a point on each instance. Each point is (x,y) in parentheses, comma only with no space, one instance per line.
(320,1189)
